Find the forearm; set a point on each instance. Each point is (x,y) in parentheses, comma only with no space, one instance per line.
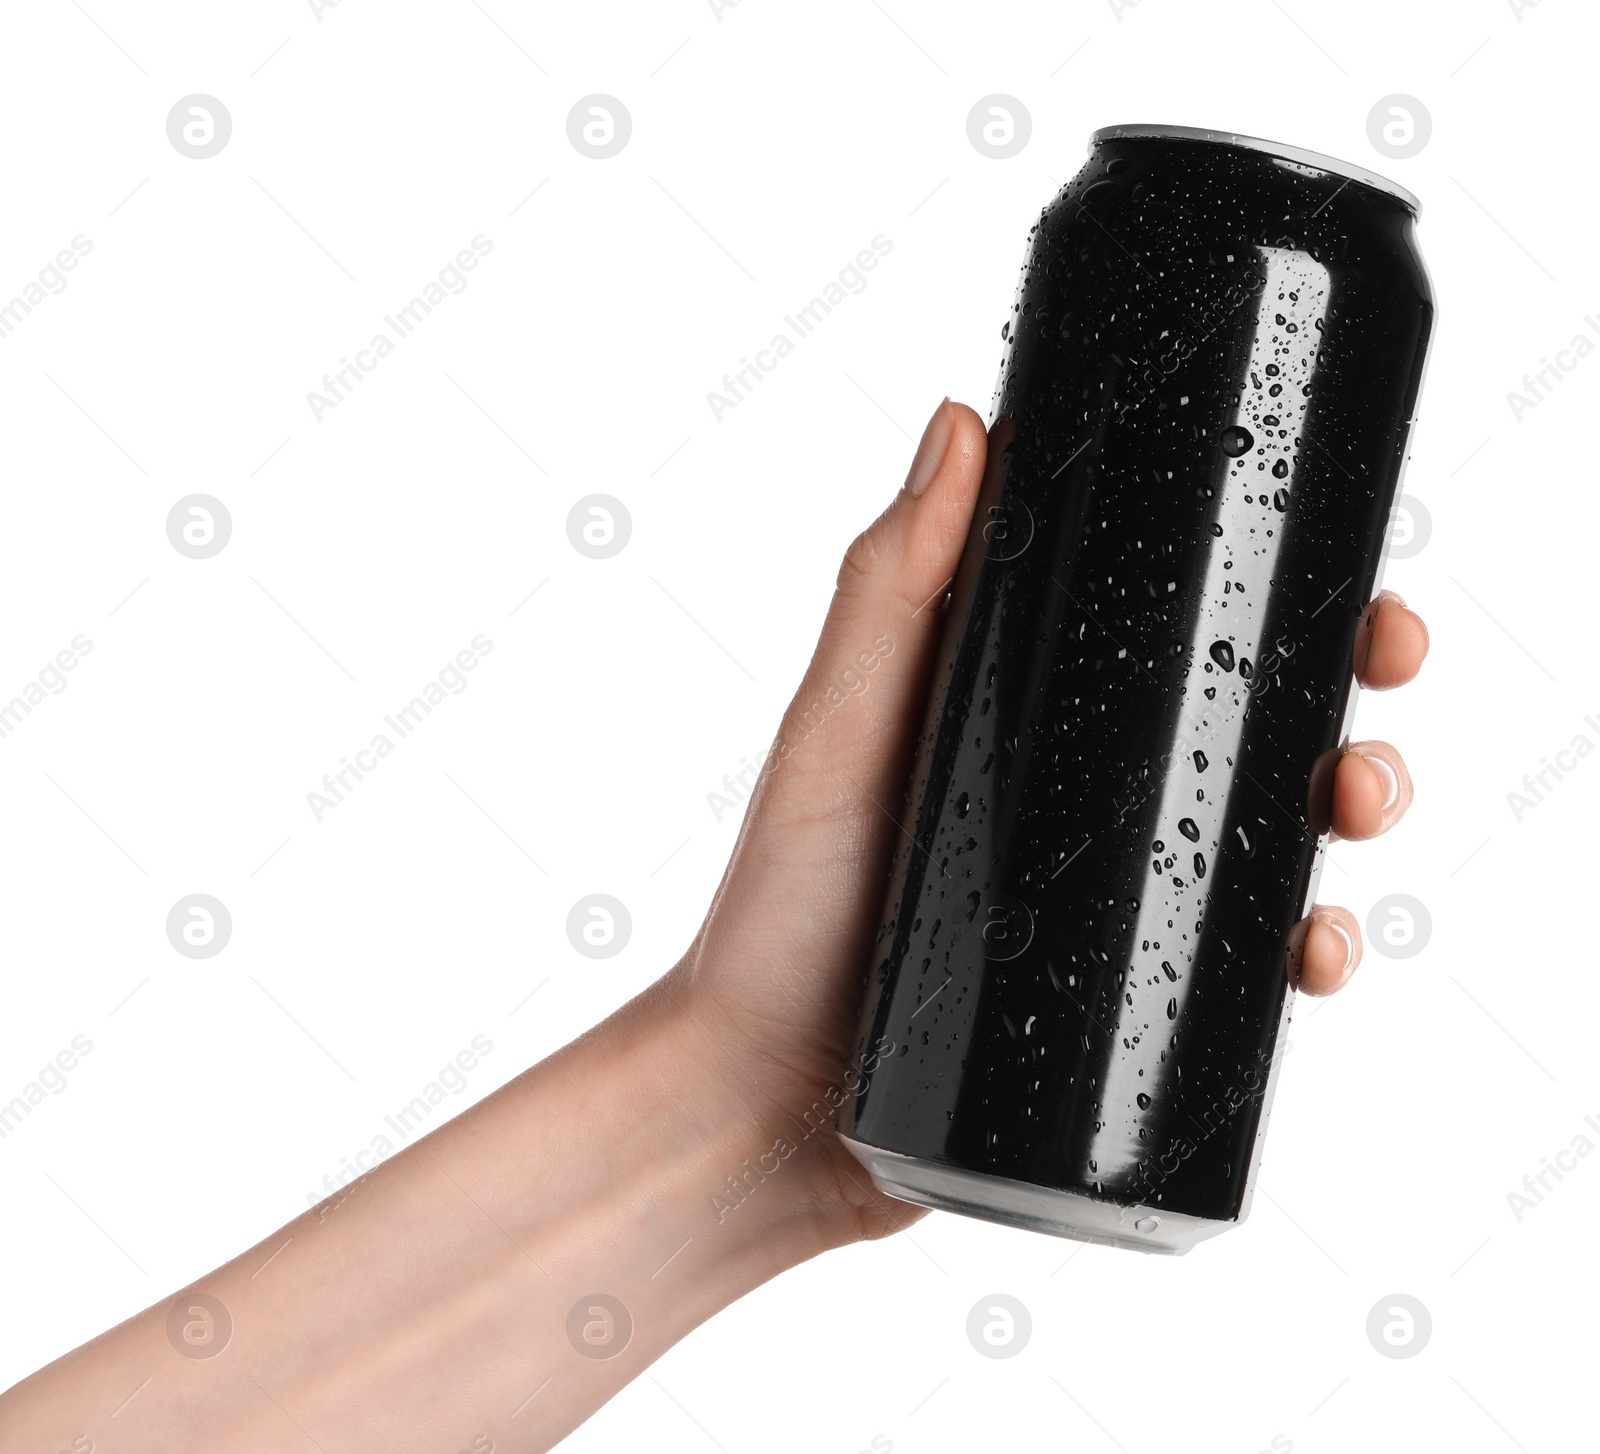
(427,1306)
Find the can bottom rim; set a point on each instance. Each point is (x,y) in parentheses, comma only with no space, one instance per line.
(1011,1203)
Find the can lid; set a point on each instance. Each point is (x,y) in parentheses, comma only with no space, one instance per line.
(1295,154)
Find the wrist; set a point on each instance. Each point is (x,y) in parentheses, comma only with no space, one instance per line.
(613,1167)
(769,1160)
(745,1163)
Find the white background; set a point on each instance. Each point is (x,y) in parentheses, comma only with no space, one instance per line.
(769,145)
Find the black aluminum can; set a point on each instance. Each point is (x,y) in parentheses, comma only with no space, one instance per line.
(1076,1005)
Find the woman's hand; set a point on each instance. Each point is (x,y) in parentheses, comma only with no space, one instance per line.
(493,1284)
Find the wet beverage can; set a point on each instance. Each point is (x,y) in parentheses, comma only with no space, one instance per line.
(1077,1003)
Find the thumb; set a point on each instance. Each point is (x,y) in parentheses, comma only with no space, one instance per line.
(786,933)
(844,744)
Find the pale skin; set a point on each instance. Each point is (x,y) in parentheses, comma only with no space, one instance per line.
(426,1306)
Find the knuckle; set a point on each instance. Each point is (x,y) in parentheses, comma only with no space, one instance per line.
(861,564)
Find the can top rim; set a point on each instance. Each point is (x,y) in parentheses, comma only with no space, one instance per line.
(1298,154)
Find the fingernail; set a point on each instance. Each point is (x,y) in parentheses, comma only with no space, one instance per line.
(1391,779)
(1395,596)
(930,452)
(1349,948)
